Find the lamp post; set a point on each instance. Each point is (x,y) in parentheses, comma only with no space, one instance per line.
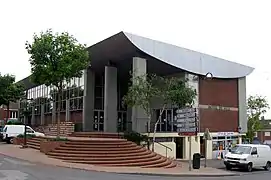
(208,76)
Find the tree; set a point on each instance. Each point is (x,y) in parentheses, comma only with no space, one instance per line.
(55,58)
(173,91)
(9,91)
(141,92)
(256,107)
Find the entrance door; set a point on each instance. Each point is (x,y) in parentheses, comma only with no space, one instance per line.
(179,147)
(166,123)
(98,124)
(122,121)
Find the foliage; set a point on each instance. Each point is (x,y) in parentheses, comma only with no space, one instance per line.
(27,136)
(57,139)
(135,137)
(141,92)
(256,107)
(56,57)
(9,90)
(14,122)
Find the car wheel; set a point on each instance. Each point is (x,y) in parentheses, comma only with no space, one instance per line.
(228,167)
(249,167)
(267,166)
(10,141)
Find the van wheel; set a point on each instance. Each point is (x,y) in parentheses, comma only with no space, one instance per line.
(249,167)
(10,141)
(267,166)
(228,167)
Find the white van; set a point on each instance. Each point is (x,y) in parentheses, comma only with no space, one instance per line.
(11,131)
(248,156)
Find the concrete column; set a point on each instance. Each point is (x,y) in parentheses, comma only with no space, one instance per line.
(110,99)
(68,113)
(42,114)
(242,104)
(33,116)
(54,113)
(88,100)
(139,117)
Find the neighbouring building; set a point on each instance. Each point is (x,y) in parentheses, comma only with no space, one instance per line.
(264,135)
(95,99)
(13,111)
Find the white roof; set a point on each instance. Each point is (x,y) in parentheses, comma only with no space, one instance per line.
(188,60)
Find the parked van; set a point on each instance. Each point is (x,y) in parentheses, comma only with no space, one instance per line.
(11,131)
(248,156)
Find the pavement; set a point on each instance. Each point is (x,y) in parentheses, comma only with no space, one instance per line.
(37,159)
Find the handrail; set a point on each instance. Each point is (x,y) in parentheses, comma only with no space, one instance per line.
(163,146)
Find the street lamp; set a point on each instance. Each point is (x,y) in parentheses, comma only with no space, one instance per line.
(208,76)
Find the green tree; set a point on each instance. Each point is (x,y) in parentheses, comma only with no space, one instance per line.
(173,91)
(55,58)
(141,92)
(9,91)
(256,107)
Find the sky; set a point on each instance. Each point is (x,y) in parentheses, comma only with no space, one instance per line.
(238,31)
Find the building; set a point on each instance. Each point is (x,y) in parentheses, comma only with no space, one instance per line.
(95,99)
(264,135)
(13,111)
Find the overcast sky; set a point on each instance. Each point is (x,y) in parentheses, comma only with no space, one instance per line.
(238,31)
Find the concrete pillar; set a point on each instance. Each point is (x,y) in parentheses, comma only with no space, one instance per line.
(68,113)
(33,116)
(110,99)
(139,117)
(54,113)
(42,114)
(242,105)
(88,100)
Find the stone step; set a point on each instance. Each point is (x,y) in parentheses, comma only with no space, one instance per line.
(64,154)
(90,148)
(104,158)
(97,152)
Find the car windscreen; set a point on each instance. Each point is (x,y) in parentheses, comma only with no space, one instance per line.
(241,150)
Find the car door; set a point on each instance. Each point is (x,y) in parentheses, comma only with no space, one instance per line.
(30,131)
(255,157)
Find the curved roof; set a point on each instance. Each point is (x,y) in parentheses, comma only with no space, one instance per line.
(191,61)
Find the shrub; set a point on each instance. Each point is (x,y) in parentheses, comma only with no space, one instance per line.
(27,135)
(14,122)
(135,137)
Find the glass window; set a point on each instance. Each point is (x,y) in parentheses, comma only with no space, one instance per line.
(241,150)
(98,103)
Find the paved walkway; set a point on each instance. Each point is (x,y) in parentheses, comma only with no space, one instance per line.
(35,156)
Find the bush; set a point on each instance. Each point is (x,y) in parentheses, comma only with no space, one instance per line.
(78,127)
(135,137)
(58,139)
(27,136)
(14,122)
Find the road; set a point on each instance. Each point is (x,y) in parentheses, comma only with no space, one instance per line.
(15,169)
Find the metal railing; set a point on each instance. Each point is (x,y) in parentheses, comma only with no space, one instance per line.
(164,147)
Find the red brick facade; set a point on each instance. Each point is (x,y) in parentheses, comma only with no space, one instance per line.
(218,92)
(264,135)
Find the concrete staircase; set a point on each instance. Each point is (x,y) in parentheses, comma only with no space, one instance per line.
(97,135)
(109,152)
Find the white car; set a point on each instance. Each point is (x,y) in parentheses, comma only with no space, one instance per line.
(248,156)
(11,131)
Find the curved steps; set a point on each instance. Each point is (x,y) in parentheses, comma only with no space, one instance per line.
(98,135)
(109,152)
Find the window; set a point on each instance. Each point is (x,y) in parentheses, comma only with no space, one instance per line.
(266,133)
(29,130)
(254,150)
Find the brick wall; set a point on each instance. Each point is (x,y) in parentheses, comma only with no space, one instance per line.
(218,92)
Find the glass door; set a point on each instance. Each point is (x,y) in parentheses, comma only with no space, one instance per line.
(122,121)
(98,124)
